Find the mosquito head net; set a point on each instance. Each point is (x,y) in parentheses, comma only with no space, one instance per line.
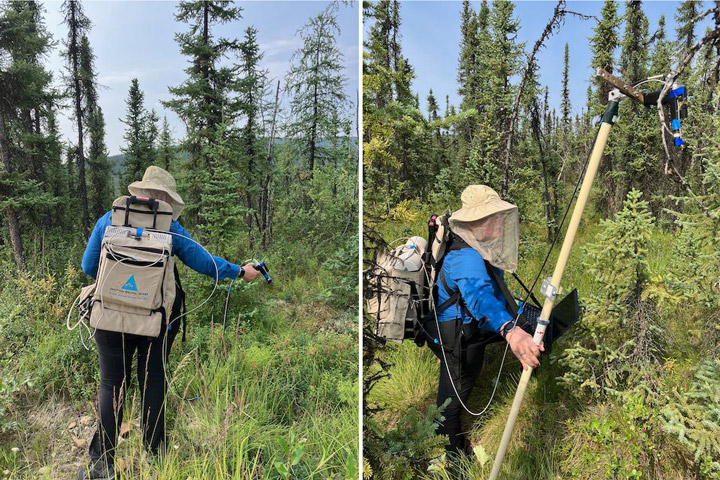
(489,225)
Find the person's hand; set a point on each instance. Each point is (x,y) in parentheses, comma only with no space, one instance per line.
(522,345)
(250,273)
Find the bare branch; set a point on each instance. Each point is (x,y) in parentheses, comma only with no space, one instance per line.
(581,16)
(555,21)
(712,37)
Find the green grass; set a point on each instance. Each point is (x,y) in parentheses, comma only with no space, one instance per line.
(274,395)
(557,436)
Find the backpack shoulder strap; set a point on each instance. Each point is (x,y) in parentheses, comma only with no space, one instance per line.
(454,295)
(509,299)
(455,298)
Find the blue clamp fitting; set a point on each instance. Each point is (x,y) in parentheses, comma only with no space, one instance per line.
(436,340)
(678,92)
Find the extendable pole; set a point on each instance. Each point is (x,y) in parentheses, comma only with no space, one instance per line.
(608,121)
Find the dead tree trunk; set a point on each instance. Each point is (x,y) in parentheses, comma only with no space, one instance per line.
(265,208)
(13,223)
(555,21)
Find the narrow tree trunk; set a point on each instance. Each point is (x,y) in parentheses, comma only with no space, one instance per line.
(13,224)
(313,130)
(265,200)
(251,177)
(74,50)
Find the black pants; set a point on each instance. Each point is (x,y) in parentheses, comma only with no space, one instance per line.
(115,352)
(464,349)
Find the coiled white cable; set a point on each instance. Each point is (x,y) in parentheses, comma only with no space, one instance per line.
(119,261)
(447,367)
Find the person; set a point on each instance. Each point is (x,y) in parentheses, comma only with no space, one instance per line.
(116,350)
(485,228)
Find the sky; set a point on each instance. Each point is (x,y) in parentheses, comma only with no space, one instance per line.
(135,39)
(431,38)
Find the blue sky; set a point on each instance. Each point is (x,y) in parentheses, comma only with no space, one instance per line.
(431,38)
(136,39)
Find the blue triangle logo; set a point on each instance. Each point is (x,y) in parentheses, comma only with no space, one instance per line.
(130,284)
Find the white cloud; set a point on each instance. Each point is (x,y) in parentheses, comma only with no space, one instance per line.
(280,46)
(120,77)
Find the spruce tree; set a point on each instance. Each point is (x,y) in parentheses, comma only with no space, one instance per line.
(203,100)
(251,95)
(100,175)
(636,143)
(432,107)
(26,100)
(137,153)
(97,158)
(467,63)
(151,135)
(634,48)
(685,29)
(166,147)
(380,48)
(316,83)
(9,209)
(692,417)
(88,80)
(603,44)
(500,61)
(661,56)
(78,24)
(615,318)
(565,108)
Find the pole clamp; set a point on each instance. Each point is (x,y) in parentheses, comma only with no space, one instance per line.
(550,291)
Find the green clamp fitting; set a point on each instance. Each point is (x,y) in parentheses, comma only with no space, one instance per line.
(611,112)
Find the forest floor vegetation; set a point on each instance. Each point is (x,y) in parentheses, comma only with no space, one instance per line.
(274,395)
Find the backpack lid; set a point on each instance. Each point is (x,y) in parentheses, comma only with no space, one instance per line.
(141,212)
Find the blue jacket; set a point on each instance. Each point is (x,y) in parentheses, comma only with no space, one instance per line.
(189,252)
(465,270)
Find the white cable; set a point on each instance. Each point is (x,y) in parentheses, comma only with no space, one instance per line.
(447,367)
(80,322)
(119,261)
(217,271)
(164,343)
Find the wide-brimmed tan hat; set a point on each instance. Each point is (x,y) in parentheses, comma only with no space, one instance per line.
(156,179)
(478,202)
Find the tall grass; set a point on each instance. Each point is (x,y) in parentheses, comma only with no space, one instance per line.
(556,435)
(273,395)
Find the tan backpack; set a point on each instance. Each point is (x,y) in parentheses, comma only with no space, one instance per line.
(399,285)
(401,289)
(398,282)
(135,287)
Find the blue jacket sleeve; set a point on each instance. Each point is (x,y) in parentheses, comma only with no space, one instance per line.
(478,291)
(91,257)
(196,258)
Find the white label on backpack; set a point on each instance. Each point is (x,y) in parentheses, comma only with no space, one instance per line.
(124,232)
(117,232)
